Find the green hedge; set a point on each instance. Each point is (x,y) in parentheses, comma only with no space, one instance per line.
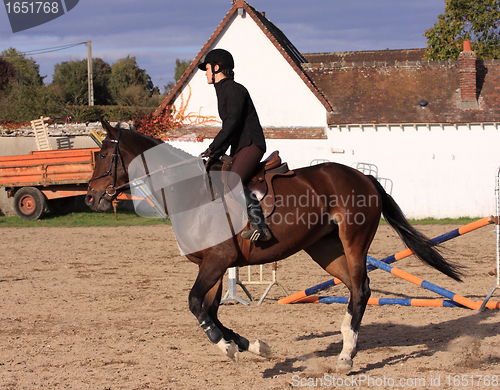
(80,113)
(111,113)
(23,103)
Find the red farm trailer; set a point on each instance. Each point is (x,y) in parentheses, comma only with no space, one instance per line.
(47,179)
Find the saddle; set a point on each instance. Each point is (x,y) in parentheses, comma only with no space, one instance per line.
(261,183)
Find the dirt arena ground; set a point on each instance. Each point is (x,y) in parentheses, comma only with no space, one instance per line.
(106,308)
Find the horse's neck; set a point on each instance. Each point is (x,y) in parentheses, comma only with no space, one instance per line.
(140,143)
(154,151)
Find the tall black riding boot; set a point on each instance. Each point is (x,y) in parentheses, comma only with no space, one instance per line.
(258,229)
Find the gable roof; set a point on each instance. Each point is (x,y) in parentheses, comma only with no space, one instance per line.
(378,86)
(275,35)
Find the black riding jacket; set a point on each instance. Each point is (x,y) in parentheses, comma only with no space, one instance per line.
(240,123)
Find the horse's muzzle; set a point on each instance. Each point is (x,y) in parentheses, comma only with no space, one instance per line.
(96,202)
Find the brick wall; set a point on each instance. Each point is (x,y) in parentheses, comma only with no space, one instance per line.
(467,61)
(270,133)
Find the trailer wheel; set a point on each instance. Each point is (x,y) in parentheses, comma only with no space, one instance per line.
(62,206)
(29,203)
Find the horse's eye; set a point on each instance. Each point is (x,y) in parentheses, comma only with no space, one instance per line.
(103,156)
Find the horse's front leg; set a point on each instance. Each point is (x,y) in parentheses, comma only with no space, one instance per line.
(212,303)
(208,276)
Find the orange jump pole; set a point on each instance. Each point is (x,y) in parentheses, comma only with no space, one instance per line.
(396,301)
(454,300)
(299,296)
(425,284)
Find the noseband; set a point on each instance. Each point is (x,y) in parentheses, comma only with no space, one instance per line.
(112,190)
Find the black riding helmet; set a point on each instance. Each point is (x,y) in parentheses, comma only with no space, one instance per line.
(219,57)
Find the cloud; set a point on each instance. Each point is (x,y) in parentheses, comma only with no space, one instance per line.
(158,32)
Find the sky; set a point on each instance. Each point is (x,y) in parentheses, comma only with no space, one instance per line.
(157,32)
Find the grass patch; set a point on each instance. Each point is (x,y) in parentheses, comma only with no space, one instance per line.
(441,221)
(130,218)
(83,219)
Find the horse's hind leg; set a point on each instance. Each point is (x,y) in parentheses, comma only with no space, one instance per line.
(349,267)
(360,293)
(356,240)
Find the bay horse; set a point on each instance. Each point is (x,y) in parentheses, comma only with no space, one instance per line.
(346,205)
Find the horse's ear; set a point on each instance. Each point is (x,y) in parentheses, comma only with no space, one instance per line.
(110,130)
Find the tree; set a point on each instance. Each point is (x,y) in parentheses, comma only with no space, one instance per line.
(101,72)
(7,72)
(71,77)
(138,96)
(126,73)
(477,21)
(25,103)
(24,97)
(27,70)
(180,68)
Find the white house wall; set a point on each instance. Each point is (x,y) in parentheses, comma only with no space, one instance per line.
(281,98)
(437,171)
(296,153)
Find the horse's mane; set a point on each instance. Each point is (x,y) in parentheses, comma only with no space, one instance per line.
(134,135)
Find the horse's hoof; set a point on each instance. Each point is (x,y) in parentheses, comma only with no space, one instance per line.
(260,348)
(344,365)
(233,352)
(229,349)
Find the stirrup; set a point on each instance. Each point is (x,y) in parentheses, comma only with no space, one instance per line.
(254,234)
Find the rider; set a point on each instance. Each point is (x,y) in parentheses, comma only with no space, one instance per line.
(241,130)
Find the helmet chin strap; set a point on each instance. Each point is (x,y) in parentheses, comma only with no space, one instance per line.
(214,72)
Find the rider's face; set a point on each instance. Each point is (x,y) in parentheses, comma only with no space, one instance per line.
(209,73)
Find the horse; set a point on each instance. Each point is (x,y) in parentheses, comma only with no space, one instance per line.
(329,210)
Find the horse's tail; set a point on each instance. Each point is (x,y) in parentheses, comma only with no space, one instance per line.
(421,246)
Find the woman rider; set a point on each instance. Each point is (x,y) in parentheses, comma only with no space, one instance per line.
(241,130)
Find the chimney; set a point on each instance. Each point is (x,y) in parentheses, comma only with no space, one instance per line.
(467,65)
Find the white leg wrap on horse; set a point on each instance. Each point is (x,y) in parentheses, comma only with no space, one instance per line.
(350,338)
(260,348)
(228,349)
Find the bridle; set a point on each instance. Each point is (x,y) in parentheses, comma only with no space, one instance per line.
(112,190)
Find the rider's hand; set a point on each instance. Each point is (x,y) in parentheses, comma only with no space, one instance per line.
(207,153)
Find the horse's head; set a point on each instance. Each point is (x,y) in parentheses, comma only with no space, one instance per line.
(110,176)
